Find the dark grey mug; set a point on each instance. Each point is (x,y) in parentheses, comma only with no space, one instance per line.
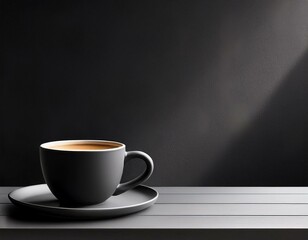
(81,176)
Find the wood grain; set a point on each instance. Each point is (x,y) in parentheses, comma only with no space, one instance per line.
(191,208)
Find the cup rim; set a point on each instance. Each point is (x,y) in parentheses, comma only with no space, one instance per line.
(47,145)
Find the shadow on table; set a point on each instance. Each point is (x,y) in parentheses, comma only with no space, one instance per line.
(25,215)
(21,214)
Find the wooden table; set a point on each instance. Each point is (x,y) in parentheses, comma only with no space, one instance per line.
(180,213)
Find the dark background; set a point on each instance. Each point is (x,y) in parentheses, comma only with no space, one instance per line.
(215,91)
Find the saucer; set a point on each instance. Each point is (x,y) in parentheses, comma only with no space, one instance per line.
(40,199)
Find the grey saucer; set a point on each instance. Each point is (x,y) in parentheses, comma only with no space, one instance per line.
(39,198)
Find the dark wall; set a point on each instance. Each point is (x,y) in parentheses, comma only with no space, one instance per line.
(215,91)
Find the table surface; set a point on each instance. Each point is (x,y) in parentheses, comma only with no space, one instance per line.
(190,208)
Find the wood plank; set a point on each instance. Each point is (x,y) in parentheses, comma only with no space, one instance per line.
(220,198)
(232,198)
(6,190)
(214,190)
(154,234)
(212,210)
(4,199)
(232,190)
(165,222)
(227,210)
(192,208)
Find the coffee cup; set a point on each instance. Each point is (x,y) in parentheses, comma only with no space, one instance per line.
(86,172)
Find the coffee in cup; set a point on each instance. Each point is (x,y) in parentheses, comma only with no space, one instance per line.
(86,172)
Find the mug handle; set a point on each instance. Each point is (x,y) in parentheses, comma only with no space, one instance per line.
(123,187)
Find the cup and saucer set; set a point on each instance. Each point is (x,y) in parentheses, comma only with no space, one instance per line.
(83,181)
